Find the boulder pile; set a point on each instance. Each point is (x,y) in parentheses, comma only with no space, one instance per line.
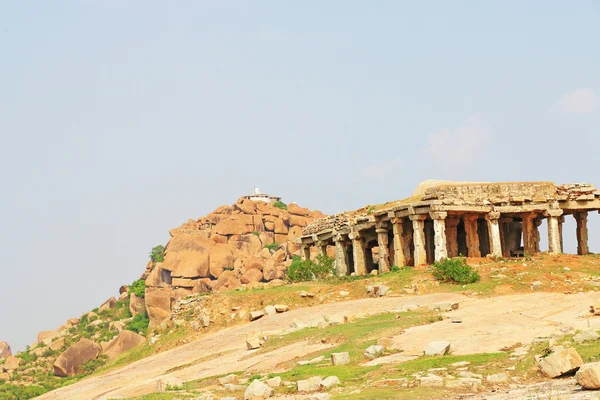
(242,244)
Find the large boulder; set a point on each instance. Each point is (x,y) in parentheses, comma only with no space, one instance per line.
(158,306)
(47,337)
(295,209)
(221,258)
(251,276)
(68,363)
(108,305)
(137,305)
(244,245)
(125,341)
(11,363)
(562,361)
(239,224)
(158,277)
(588,376)
(187,256)
(5,350)
(227,280)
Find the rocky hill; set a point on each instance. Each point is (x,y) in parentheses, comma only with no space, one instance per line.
(246,244)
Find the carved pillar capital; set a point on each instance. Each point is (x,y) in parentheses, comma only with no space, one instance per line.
(470,217)
(493,216)
(438,214)
(417,217)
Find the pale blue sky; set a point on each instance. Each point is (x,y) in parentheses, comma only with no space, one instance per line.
(121,119)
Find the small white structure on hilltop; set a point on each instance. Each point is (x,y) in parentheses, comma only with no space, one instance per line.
(258,196)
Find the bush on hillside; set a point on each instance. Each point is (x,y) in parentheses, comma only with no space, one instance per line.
(158,253)
(280,204)
(139,324)
(138,288)
(455,270)
(308,270)
(272,246)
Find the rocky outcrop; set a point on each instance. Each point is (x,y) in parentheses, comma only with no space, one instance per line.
(68,363)
(231,246)
(158,305)
(5,350)
(125,341)
(136,305)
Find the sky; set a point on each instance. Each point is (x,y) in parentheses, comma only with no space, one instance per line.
(121,119)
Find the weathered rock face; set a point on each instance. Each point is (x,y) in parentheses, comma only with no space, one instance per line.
(588,376)
(125,341)
(68,363)
(226,245)
(5,350)
(136,305)
(158,306)
(11,363)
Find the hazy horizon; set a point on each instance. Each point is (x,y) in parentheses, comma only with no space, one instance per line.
(122,119)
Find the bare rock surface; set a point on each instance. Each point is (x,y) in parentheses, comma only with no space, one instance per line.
(68,363)
(125,341)
(493,323)
(5,350)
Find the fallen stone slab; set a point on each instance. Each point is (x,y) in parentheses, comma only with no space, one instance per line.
(281,308)
(330,382)
(232,378)
(588,334)
(340,358)
(270,310)
(464,383)
(374,351)
(254,315)
(258,389)
(431,381)
(497,378)
(274,382)
(561,362)
(309,385)
(588,376)
(391,359)
(439,348)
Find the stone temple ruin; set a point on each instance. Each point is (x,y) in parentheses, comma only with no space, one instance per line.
(450,219)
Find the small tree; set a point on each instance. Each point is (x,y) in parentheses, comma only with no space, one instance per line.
(307,270)
(280,204)
(455,270)
(138,288)
(158,253)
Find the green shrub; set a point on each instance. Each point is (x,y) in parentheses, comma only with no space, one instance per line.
(273,246)
(18,392)
(91,366)
(395,268)
(455,270)
(139,324)
(307,270)
(158,253)
(138,288)
(370,210)
(280,204)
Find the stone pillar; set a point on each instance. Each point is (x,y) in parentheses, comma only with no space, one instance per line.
(384,250)
(323,248)
(452,236)
(358,253)
(582,232)
(472,235)
(306,252)
(561,221)
(505,236)
(529,234)
(554,236)
(398,230)
(439,234)
(493,223)
(536,227)
(341,256)
(419,239)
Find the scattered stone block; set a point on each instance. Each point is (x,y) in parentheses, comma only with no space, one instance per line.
(561,361)
(374,351)
(588,376)
(233,387)
(472,384)
(164,384)
(281,308)
(274,382)
(440,348)
(258,389)
(340,358)
(232,378)
(431,381)
(306,294)
(254,315)
(588,334)
(497,378)
(536,285)
(444,306)
(330,382)
(11,363)
(457,320)
(270,310)
(309,385)
(253,341)
(204,320)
